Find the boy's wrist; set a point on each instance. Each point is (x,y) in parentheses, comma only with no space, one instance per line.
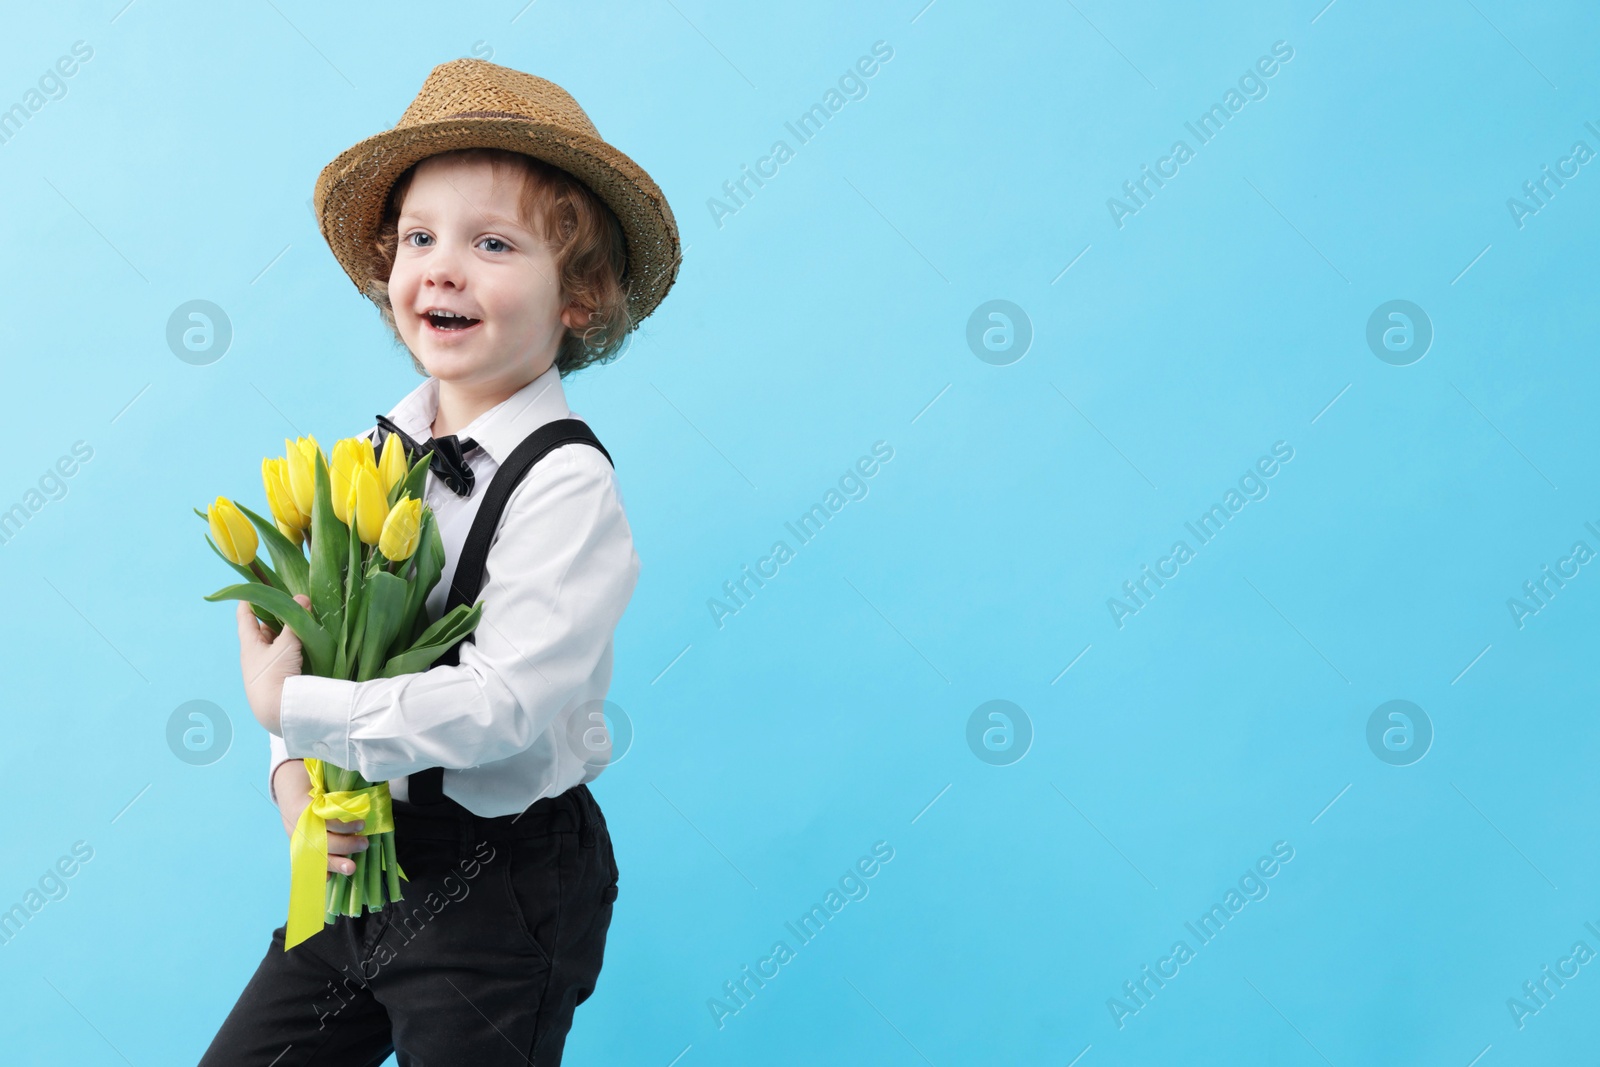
(272,782)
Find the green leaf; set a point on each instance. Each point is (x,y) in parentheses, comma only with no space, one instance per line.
(413,483)
(286,555)
(352,545)
(336,625)
(328,548)
(350,637)
(250,576)
(355,602)
(451,626)
(427,563)
(439,637)
(386,598)
(316,641)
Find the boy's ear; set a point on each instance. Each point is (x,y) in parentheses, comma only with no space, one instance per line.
(576,317)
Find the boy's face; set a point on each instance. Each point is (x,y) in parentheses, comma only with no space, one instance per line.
(462,248)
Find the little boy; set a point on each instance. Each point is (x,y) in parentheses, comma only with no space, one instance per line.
(506,245)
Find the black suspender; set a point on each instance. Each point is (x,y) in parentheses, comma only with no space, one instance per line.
(426,786)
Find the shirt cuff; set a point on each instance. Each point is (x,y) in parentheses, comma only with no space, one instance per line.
(315,718)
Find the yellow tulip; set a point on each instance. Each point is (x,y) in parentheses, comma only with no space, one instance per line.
(293,533)
(340,469)
(302,464)
(275,476)
(401,530)
(393,464)
(369,504)
(232,532)
(348,453)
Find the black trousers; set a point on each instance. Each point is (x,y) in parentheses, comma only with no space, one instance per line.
(499,938)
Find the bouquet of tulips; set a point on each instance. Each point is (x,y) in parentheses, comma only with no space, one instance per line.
(353,535)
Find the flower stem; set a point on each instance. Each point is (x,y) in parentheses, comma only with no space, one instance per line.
(391,863)
(372,887)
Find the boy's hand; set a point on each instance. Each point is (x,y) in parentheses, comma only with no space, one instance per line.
(292,784)
(265,663)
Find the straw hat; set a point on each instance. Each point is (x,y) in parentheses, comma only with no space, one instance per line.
(469,103)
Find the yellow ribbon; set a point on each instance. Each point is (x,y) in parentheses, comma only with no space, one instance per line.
(308,849)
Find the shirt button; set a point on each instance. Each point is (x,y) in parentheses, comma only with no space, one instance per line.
(321,749)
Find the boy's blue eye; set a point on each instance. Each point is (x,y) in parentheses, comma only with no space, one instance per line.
(426,237)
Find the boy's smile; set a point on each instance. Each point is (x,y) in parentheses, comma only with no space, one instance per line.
(445,320)
(475,292)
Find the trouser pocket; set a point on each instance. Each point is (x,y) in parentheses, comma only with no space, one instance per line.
(536,872)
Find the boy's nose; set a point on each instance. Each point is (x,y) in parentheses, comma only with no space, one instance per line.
(444,268)
(444,274)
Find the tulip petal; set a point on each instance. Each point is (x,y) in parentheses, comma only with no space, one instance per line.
(232,532)
(280,499)
(392,464)
(402,529)
(300,461)
(370,503)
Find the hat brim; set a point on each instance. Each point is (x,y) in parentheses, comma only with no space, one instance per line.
(352,191)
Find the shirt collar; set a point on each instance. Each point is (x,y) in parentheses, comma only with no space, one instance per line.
(501,428)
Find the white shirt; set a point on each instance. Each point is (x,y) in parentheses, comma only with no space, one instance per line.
(514,721)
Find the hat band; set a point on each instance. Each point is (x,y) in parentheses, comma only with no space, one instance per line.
(489,115)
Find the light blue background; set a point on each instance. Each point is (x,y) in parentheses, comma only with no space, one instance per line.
(831,712)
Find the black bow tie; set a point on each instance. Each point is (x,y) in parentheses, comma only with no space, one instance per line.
(449,455)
